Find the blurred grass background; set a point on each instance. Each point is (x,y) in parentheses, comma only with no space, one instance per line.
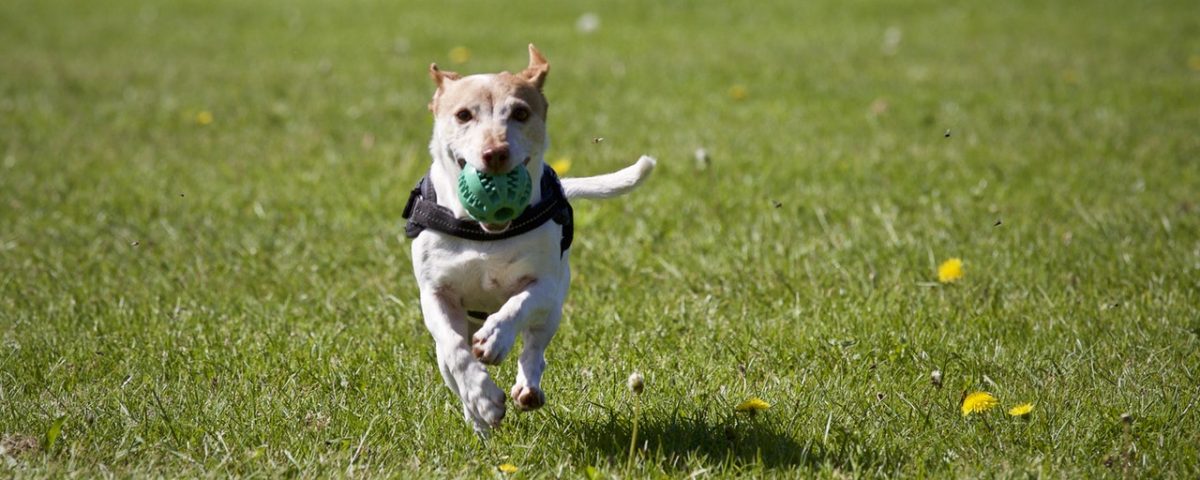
(203,273)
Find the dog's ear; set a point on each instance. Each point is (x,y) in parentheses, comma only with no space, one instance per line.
(439,77)
(537,69)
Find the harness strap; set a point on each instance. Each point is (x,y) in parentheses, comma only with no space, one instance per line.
(423,212)
(478,315)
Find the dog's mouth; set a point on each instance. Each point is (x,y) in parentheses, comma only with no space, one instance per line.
(490,227)
(462,163)
(494,227)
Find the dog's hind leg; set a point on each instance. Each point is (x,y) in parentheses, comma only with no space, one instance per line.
(527,391)
(483,401)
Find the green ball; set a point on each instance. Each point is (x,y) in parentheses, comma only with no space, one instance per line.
(494,198)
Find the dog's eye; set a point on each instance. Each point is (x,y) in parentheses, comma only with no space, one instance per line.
(463,115)
(520,114)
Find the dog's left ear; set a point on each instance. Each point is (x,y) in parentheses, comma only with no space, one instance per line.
(537,69)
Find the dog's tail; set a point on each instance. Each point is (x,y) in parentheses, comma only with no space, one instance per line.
(609,185)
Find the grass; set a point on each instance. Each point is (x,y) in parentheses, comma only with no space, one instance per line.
(234,297)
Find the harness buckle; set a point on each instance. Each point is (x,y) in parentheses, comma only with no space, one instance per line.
(412,203)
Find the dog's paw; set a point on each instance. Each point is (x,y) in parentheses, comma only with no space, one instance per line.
(491,345)
(484,404)
(528,398)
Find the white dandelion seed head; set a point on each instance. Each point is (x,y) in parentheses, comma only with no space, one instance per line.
(588,23)
(636,383)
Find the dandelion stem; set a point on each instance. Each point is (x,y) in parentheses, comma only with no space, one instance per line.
(993,432)
(637,412)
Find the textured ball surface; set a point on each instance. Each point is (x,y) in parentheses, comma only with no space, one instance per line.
(494,198)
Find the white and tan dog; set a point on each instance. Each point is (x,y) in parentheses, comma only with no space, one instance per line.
(497,122)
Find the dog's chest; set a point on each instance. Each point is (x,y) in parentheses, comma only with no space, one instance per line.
(483,278)
(499,273)
(484,282)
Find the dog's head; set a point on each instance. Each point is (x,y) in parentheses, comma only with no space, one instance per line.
(495,122)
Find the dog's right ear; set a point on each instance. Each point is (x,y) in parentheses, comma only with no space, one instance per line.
(440,78)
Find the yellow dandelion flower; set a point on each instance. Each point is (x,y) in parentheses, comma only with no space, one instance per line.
(562,165)
(950,270)
(1194,62)
(752,404)
(879,106)
(205,117)
(507,468)
(1021,410)
(738,92)
(1071,76)
(978,402)
(460,55)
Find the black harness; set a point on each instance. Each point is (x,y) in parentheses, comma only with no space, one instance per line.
(423,212)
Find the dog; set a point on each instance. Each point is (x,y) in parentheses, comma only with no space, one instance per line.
(482,284)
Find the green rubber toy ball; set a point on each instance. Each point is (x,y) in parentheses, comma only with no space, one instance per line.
(494,198)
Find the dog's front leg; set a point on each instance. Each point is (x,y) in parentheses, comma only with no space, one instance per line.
(495,338)
(483,401)
(526,391)
(535,311)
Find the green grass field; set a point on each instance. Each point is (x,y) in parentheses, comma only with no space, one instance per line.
(203,269)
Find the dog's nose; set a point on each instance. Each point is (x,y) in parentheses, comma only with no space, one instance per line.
(494,158)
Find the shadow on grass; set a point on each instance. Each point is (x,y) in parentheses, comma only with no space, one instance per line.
(671,442)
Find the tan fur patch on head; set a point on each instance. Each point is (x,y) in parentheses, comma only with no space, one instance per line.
(526,91)
(527,85)
(455,94)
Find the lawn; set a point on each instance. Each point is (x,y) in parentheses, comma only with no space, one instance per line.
(203,270)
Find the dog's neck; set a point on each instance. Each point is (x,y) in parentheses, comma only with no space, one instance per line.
(444,175)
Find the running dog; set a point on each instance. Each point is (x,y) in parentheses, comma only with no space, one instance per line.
(481,284)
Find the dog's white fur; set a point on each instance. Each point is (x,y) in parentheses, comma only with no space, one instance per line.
(523,279)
